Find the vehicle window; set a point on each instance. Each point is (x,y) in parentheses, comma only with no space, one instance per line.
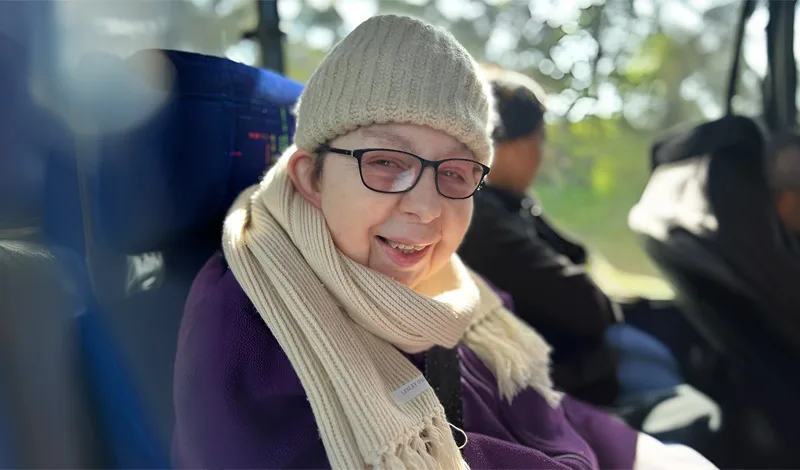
(213,27)
(618,73)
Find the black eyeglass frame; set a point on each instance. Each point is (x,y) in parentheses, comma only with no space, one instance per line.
(359,153)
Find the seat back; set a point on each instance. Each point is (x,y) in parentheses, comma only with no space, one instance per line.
(705,200)
(728,319)
(746,370)
(175,137)
(44,408)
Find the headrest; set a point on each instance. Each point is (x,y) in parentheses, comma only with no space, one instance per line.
(180,135)
(689,166)
(729,132)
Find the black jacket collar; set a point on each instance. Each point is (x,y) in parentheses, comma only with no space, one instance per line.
(512,201)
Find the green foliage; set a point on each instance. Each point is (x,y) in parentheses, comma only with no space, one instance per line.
(654,54)
(596,170)
(300,61)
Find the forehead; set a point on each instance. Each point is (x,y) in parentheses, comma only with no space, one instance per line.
(420,140)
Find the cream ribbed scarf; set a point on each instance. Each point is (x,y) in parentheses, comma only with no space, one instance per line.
(341,325)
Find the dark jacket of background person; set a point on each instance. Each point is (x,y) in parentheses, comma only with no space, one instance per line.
(515,248)
(512,244)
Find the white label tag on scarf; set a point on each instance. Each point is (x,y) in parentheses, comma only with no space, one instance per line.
(411,390)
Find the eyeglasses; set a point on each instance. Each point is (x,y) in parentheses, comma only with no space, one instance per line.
(394,171)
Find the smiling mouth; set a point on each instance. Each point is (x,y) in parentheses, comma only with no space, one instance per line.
(402,247)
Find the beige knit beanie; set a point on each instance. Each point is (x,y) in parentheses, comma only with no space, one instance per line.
(396,69)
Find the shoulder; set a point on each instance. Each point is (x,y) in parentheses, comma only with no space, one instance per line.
(238,401)
(222,331)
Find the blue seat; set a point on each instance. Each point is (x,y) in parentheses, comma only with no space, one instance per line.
(172,138)
(28,132)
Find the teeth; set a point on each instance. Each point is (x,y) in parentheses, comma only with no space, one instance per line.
(404,247)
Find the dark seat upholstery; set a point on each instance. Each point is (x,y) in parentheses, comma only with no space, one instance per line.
(176,136)
(43,405)
(706,195)
(8,458)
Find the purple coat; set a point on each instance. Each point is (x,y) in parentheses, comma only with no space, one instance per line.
(239,403)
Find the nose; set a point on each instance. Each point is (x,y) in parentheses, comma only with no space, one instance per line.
(423,201)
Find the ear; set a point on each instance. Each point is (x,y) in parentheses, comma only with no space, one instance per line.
(301,172)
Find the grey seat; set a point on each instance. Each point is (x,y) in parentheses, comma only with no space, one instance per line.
(47,416)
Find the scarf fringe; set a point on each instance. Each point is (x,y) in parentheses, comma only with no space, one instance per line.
(515,353)
(432,448)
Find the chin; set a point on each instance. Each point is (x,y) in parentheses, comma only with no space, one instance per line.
(410,280)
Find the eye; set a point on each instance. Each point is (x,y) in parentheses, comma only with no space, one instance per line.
(387,160)
(452,174)
(386,163)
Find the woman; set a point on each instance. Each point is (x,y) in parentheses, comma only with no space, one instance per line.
(304,347)
(512,242)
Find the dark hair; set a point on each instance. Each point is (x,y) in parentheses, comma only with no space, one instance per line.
(519,106)
(319,162)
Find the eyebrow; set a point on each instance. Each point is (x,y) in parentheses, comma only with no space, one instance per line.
(403,143)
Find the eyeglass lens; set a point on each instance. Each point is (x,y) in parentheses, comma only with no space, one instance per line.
(393,172)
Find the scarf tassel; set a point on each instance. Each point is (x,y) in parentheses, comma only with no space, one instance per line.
(515,354)
(432,448)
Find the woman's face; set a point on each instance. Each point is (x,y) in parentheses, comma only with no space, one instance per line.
(367,225)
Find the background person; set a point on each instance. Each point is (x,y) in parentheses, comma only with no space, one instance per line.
(513,244)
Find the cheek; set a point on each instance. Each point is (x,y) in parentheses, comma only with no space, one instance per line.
(352,216)
(455,225)
(536,157)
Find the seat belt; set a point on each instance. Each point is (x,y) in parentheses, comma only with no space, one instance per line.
(443,373)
